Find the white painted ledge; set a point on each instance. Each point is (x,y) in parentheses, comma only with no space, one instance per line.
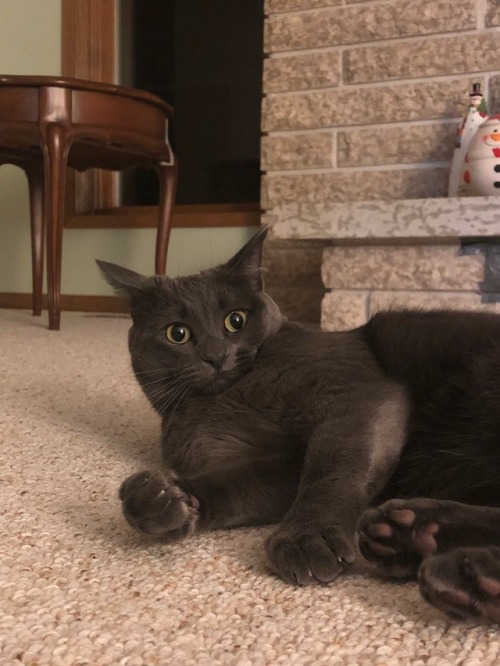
(412,219)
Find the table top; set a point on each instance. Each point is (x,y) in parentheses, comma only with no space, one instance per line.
(84,85)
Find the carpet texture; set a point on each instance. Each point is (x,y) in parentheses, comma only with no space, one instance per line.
(77,586)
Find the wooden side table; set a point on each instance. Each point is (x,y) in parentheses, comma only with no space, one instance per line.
(48,124)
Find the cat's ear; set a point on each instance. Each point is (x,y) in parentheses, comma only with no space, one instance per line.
(126,284)
(247,262)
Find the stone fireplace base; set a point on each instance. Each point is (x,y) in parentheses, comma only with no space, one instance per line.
(361,280)
(406,253)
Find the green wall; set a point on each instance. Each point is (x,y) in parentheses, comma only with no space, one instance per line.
(30,43)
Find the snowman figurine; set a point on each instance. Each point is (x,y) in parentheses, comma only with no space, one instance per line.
(481,169)
(476,114)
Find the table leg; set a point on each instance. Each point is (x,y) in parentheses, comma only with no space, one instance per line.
(55,156)
(167,176)
(34,174)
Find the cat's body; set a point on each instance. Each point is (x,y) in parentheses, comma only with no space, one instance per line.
(267,422)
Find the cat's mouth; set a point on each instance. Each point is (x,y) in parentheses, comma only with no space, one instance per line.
(219,381)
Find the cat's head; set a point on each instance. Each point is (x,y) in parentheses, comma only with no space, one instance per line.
(198,333)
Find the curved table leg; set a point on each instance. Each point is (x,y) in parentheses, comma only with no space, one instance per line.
(167,176)
(55,156)
(34,174)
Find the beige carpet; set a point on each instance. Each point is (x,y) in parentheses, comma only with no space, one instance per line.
(78,587)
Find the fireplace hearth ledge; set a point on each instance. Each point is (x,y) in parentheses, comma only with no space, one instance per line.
(414,220)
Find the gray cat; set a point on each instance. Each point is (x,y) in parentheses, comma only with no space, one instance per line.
(264,421)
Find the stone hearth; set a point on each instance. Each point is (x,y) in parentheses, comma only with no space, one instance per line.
(422,253)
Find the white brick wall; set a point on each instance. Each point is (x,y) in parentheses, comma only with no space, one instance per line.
(362,100)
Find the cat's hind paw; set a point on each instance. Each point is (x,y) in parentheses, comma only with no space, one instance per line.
(464,583)
(153,503)
(398,535)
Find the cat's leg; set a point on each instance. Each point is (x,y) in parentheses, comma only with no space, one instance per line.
(464,583)
(171,508)
(317,534)
(346,458)
(399,534)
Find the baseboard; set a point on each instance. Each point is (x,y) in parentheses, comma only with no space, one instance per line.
(68,302)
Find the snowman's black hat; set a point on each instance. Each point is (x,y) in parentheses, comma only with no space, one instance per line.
(476,90)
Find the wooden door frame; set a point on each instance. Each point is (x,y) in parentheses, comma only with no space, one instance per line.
(88,51)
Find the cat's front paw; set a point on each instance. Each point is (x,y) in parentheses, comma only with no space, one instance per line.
(313,555)
(153,503)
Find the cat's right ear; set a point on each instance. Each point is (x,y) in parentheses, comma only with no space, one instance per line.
(247,262)
(126,284)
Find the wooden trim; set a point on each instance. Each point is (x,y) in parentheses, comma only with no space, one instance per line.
(88,52)
(17,301)
(209,215)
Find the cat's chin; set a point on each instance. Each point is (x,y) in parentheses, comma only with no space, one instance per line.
(218,384)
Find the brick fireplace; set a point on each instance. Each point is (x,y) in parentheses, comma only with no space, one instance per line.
(362,100)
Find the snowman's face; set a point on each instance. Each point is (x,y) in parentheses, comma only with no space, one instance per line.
(491,136)
(490,133)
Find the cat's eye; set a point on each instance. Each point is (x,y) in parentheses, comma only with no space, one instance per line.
(178,334)
(235,321)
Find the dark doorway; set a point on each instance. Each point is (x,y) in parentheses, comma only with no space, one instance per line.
(204,57)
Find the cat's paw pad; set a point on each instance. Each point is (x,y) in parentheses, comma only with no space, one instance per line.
(463,583)
(312,556)
(154,504)
(397,536)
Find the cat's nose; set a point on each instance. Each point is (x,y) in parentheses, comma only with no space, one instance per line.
(216,361)
(215,353)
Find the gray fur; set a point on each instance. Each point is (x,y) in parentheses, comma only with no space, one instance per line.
(273,423)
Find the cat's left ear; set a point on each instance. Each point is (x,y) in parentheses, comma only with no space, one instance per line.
(247,262)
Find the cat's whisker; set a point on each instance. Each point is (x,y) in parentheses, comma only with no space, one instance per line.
(162,371)
(181,390)
(183,369)
(182,396)
(157,381)
(168,380)
(161,389)
(170,399)
(162,399)
(165,390)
